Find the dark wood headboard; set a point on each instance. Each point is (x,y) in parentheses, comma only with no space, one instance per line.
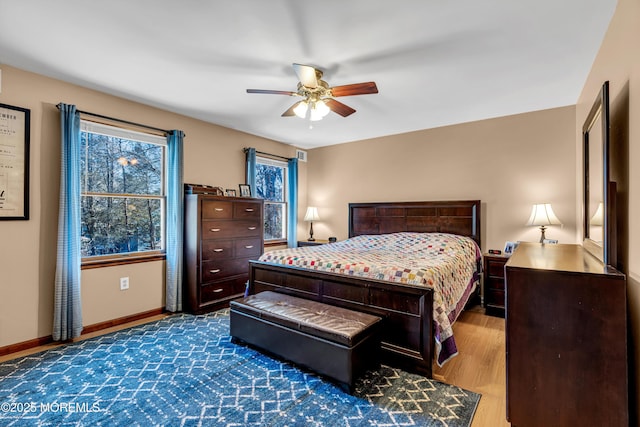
(456,217)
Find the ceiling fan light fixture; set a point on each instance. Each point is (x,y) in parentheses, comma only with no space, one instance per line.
(317,96)
(322,108)
(301,109)
(318,110)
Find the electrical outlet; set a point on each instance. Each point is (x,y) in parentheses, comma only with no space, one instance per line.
(124,283)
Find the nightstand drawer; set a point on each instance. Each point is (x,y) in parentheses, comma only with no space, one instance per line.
(495,268)
(494,283)
(494,298)
(303,243)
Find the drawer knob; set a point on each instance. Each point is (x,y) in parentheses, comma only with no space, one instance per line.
(214,271)
(215,291)
(249,210)
(218,250)
(248,247)
(215,229)
(219,209)
(252,228)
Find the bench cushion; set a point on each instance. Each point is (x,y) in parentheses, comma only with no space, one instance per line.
(335,324)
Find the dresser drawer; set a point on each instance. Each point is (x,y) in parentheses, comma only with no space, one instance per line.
(247,210)
(228,229)
(248,247)
(217,249)
(217,291)
(213,209)
(216,270)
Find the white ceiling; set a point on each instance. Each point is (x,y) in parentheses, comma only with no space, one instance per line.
(435,63)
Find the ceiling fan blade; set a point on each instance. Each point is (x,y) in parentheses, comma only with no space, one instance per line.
(307,75)
(273,92)
(290,111)
(355,89)
(339,108)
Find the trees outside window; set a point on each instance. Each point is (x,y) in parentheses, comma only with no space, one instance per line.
(271,178)
(122,191)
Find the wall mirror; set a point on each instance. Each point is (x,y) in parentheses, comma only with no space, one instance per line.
(599,192)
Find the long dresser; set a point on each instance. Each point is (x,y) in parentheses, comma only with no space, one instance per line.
(221,235)
(566,339)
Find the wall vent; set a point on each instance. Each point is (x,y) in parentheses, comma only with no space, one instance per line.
(301,155)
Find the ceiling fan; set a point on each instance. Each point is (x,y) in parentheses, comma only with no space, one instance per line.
(318,98)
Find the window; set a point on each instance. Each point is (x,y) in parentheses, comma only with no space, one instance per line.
(271,179)
(122,191)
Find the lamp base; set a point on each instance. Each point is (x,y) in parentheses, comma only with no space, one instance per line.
(542,230)
(311,239)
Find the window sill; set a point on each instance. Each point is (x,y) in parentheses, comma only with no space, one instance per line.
(88,264)
(272,243)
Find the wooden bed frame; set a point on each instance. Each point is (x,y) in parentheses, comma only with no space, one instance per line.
(407,333)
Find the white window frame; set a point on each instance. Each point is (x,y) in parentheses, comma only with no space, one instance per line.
(146,138)
(284,203)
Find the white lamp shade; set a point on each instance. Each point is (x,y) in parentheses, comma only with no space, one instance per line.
(598,217)
(318,110)
(301,109)
(542,214)
(322,108)
(312,214)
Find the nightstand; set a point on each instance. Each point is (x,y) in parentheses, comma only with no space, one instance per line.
(494,291)
(316,242)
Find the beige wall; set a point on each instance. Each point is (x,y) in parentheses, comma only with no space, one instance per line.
(213,155)
(509,163)
(618,61)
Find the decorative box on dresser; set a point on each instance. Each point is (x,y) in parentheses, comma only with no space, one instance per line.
(494,284)
(566,339)
(221,235)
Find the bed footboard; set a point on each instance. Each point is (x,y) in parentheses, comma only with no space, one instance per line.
(407,332)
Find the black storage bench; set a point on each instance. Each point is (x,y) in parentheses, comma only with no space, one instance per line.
(335,342)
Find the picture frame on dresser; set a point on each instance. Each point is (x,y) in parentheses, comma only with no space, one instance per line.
(245,190)
(509,247)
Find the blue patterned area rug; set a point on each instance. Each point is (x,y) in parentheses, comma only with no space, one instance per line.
(184,371)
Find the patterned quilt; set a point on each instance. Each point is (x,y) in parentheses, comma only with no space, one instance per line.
(445,262)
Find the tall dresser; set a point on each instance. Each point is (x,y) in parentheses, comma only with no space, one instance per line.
(221,235)
(566,339)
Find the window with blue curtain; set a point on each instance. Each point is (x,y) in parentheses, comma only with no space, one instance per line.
(120,193)
(275,181)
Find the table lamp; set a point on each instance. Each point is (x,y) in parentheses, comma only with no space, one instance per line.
(542,215)
(311,215)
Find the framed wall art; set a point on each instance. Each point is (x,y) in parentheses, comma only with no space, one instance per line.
(14,162)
